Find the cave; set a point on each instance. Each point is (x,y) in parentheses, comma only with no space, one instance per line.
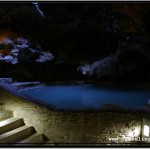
(74,74)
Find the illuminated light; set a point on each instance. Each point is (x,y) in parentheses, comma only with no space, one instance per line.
(2,123)
(136,132)
(130,133)
(146,130)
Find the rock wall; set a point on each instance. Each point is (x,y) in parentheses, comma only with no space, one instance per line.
(76,127)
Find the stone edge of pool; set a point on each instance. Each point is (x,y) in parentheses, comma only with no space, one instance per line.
(11,89)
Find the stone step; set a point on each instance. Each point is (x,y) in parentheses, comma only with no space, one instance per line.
(5,114)
(2,107)
(49,143)
(35,138)
(10,124)
(17,134)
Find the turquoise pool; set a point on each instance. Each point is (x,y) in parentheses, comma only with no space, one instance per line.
(89,96)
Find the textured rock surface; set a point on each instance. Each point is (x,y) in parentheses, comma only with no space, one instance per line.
(19,55)
(112,38)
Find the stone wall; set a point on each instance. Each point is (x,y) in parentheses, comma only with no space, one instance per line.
(75,127)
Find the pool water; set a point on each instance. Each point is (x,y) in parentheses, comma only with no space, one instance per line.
(89,96)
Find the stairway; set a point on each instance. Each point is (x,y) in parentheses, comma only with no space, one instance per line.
(13,131)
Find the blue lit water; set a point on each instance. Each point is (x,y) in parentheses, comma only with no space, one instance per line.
(89,96)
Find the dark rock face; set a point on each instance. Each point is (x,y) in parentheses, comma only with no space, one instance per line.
(20,60)
(27,55)
(20,50)
(103,41)
(131,61)
(82,31)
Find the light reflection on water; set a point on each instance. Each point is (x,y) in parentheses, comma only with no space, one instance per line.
(89,96)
